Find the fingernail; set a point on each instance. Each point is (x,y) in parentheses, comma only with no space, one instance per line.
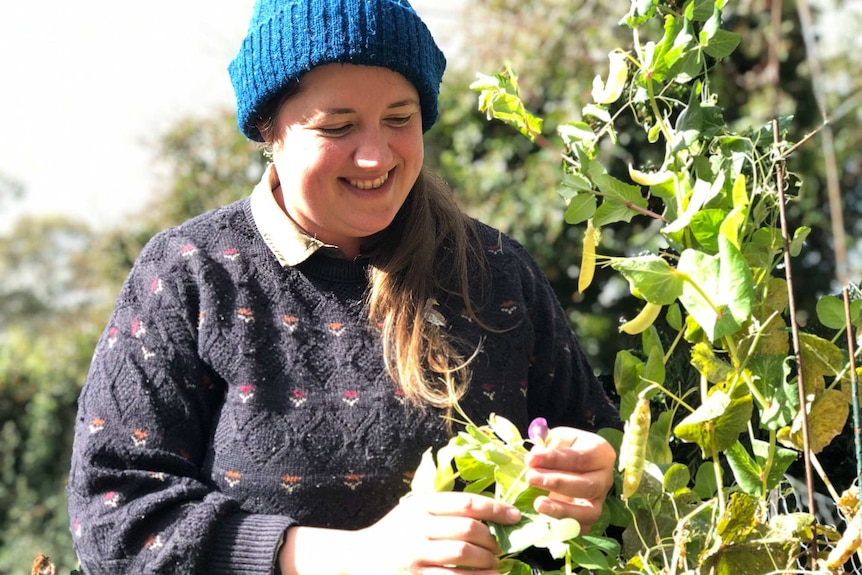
(514,514)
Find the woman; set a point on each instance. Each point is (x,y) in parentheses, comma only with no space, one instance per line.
(274,369)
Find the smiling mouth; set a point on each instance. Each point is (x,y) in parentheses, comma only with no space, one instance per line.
(369,184)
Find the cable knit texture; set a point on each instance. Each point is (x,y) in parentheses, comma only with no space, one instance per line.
(230,398)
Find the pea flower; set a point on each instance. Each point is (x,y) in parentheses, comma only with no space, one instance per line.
(538,431)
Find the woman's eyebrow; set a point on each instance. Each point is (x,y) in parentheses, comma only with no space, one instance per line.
(329,112)
(407,102)
(343,111)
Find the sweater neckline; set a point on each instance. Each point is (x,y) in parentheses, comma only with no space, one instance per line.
(336,269)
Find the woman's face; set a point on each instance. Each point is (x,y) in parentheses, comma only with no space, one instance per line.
(348,149)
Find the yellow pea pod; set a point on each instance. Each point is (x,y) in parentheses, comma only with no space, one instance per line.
(588,258)
(849,543)
(649,178)
(642,320)
(633,447)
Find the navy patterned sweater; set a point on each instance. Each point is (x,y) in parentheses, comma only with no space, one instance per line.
(230,398)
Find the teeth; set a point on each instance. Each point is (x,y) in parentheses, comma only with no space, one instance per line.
(369,184)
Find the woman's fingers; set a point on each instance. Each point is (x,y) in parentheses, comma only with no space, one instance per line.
(440,533)
(586,511)
(576,468)
(480,507)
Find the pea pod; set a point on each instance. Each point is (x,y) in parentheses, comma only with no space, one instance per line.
(588,258)
(633,447)
(642,320)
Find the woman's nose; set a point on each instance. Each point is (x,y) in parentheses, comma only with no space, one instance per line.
(373,149)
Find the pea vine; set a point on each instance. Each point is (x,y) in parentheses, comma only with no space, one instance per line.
(764,392)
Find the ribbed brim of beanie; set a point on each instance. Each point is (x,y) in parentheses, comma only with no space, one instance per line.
(287,38)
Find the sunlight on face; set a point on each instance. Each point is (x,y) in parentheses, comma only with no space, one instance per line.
(348,149)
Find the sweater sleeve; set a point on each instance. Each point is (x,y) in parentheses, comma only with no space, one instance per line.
(562,386)
(139,501)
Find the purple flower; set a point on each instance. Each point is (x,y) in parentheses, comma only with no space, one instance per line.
(538,430)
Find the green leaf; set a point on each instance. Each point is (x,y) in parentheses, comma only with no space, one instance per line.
(689,124)
(719,291)
(702,192)
(618,199)
(641,11)
(606,545)
(510,566)
(650,339)
(826,419)
(704,360)
(722,44)
(581,208)
(674,316)
(658,441)
(735,281)
(573,184)
(782,459)
(655,63)
(738,520)
(705,226)
(535,530)
(831,312)
(798,241)
(499,98)
(676,477)
(627,372)
(577,132)
(654,370)
(745,470)
(596,111)
(710,27)
(651,277)
(699,10)
(472,469)
(700,295)
(717,423)
(771,375)
(820,358)
(749,471)
(589,558)
(705,484)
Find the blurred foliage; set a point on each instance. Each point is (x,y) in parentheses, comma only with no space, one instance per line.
(557,47)
(10,190)
(60,277)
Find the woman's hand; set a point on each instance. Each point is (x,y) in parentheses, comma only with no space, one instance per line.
(442,533)
(424,534)
(576,466)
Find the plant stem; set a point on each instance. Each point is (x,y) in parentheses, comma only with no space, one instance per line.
(826,481)
(667,392)
(656,112)
(719,477)
(770,459)
(794,329)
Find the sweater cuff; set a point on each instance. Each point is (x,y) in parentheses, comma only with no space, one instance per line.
(247,544)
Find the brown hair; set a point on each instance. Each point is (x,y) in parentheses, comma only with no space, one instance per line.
(405,276)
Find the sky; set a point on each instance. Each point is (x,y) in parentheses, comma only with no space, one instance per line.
(89,86)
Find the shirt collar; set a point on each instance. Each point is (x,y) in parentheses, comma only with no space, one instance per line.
(289,243)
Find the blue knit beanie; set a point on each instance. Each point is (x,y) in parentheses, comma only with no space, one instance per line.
(287,38)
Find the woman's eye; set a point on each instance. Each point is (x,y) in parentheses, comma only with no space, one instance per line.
(335,130)
(400,120)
